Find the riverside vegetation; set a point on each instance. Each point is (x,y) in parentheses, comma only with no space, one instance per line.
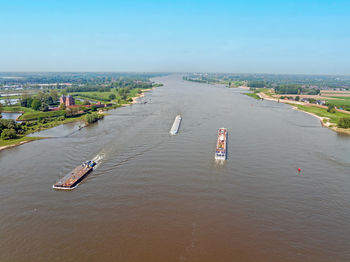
(37,114)
(325,96)
(329,112)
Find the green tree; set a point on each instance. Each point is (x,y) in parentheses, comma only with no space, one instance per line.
(26,100)
(41,96)
(86,102)
(47,99)
(312,100)
(344,122)
(44,107)
(8,134)
(112,96)
(92,118)
(54,95)
(36,103)
(331,108)
(93,108)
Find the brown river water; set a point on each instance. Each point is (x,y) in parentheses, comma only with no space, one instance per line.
(156,197)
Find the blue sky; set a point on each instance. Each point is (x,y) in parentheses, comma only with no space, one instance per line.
(213,36)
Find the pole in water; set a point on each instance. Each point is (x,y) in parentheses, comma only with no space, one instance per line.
(299,170)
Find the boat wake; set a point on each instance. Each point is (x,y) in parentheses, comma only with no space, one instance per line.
(98,159)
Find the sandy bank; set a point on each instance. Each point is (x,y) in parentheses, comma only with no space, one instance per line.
(14,145)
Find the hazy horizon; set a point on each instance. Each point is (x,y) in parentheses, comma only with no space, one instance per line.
(254,37)
(170,73)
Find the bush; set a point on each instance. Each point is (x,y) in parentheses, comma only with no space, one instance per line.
(86,102)
(92,118)
(44,107)
(62,107)
(344,122)
(7,124)
(297,98)
(112,96)
(8,134)
(312,100)
(331,108)
(60,118)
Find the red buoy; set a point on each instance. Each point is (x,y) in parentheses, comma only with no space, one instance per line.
(299,170)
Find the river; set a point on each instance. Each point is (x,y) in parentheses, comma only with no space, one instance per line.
(9,115)
(156,197)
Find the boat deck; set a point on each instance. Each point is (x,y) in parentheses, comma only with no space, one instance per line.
(71,180)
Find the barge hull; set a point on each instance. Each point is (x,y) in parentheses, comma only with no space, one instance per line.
(71,180)
(176,125)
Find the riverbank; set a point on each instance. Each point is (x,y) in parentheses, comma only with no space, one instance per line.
(327,119)
(4,144)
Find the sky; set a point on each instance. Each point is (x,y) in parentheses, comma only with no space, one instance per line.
(251,36)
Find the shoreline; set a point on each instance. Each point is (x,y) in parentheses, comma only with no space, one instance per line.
(134,101)
(30,139)
(14,145)
(323,120)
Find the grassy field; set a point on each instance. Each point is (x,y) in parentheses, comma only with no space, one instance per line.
(11,97)
(233,83)
(98,96)
(339,102)
(322,112)
(35,115)
(17,109)
(341,97)
(55,122)
(253,95)
(103,97)
(266,91)
(17,140)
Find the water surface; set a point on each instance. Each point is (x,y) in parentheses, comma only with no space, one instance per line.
(156,197)
(12,116)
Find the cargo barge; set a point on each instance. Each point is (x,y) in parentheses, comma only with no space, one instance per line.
(176,125)
(221,146)
(71,180)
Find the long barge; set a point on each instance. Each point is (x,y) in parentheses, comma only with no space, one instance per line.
(71,180)
(221,146)
(176,125)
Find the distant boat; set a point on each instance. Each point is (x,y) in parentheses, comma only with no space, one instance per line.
(176,125)
(221,146)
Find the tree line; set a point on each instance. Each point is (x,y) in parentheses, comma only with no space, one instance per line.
(41,101)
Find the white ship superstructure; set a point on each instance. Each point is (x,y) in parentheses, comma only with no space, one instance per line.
(221,147)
